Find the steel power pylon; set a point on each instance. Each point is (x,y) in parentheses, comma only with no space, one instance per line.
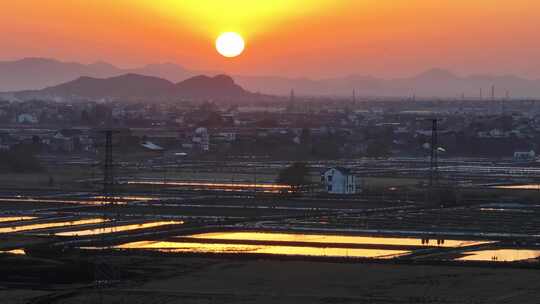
(434,159)
(109,182)
(434,162)
(108,167)
(104,271)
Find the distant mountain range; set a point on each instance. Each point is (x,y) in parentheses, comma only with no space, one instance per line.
(39,73)
(134,87)
(432,83)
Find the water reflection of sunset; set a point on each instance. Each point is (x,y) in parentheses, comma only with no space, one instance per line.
(501,255)
(119,228)
(51,225)
(337,239)
(263,249)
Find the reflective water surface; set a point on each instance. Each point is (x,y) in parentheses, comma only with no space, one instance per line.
(211,185)
(97,200)
(126,198)
(337,239)
(106,230)
(520,187)
(15,251)
(51,225)
(15,218)
(56,201)
(239,187)
(501,255)
(263,249)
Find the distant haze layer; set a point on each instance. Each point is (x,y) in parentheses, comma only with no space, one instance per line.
(39,73)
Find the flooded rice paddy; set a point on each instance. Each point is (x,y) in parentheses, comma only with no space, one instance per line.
(94,200)
(15,252)
(30,227)
(270,188)
(120,228)
(335,239)
(519,187)
(501,255)
(4,219)
(184,247)
(295,244)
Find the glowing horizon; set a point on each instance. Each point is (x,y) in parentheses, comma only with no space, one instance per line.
(316,38)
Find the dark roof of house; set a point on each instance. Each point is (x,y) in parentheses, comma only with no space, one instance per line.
(70,132)
(343,170)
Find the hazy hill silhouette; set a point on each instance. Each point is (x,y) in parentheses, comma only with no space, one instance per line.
(432,83)
(129,86)
(139,87)
(207,87)
(38,73)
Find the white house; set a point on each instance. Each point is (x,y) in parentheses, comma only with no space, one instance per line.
(202,139)
(339,180)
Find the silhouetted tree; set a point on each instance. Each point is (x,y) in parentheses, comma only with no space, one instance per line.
(378,149)
(295,175)
(20,159)
(85,118)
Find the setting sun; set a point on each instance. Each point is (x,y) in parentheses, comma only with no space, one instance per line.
(230,44)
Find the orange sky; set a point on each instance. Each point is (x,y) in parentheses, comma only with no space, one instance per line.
(315,38)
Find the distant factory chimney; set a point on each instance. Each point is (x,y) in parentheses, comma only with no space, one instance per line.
(492,92)
(292,97)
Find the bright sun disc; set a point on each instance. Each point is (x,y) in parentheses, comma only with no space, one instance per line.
(230,44)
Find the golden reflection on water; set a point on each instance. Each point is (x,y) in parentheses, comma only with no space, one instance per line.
(214,185)
(180,247)
(501,255)
(16,218)
(128,197)
(50,225)
(105,230)
(329,239)
(520,187)
(15,252)
(53,201)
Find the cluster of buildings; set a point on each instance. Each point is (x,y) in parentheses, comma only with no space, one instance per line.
(312,129)
(289,130)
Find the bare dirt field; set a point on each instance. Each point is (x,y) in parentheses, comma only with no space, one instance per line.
(205,280)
